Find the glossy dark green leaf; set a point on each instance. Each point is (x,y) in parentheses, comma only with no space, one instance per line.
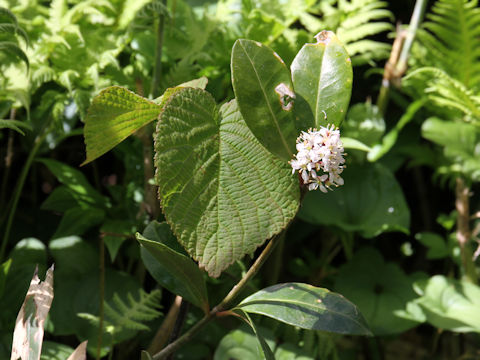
(371,202)
(382,292)
(221,191)
(307,307)
(264,92)
(322,75)
(450,304)
(365,123)
(173,270)
(267,352)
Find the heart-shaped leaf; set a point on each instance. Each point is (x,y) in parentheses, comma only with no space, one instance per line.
(322,75)
(222,192)
(307,307)
(264,92)
(381,290)
(173,270)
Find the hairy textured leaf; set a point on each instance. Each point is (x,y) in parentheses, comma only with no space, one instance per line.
(28,334)
(184,277)
(264,93)
(307,307)
(115,114)
(221,191)
(322,75)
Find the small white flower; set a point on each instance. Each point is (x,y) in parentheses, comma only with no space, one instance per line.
(320,151)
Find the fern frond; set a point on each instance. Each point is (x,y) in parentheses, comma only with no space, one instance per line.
(452,38)
(445,91)
(134,313)
(354,21)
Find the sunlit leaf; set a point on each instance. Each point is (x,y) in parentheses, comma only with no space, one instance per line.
(220,190)
(265,97)
(115,114)
(450,304)
(307,307)
(322,75)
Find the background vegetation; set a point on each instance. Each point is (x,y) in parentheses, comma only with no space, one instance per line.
(400,239)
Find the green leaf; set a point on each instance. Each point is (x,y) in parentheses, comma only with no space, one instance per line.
(349,143)
(382,292)
(76,182)
(307,307)
(265,97)
(114,233)
(13,29)
(175,271)
(15,125)
(115,114)
(3,274)
(365,123)
(73,256)
(267,352)
(55,351)
(4,12)
(76,221)
(437,247)
(450,304)
(241,344)
(29,327)
(221,191)
(15,50)
(390,139)
(371,202)
(322,75)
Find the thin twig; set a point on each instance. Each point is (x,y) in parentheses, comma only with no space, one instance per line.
(163,333)
(224,304)
(102,297)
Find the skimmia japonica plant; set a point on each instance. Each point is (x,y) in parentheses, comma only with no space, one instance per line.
(224,176)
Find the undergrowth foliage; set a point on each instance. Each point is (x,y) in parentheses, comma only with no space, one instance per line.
(185,232)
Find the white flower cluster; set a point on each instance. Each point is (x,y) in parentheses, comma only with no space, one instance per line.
(320,150)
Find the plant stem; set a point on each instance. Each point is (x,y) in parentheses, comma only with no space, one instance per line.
(102,297)
(415,21)
(224,304)
(177,329)
(8,162)
(157,70)
(397,63)
(462,193)
(18,190)
(165,329)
